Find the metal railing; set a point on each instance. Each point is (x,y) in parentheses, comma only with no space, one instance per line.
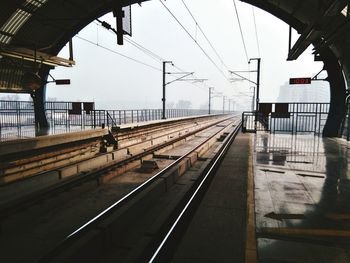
(13,113)
(17,114)
(298,118)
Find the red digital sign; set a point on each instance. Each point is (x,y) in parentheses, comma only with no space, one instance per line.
(62,81)
(293,81)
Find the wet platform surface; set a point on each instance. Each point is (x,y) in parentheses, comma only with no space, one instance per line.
(302,198)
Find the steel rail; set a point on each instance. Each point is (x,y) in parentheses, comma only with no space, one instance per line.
(121,202)
(121,135)
(196,196)
(39,195)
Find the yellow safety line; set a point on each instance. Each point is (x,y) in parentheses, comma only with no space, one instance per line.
(250,248)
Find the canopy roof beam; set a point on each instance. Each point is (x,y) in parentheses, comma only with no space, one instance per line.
(313,32)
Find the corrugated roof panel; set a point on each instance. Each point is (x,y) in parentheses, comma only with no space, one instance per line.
(345,11)
(37,3)
(18,19)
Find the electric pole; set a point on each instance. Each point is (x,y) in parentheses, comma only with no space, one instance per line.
(223,104)
(257,82)
(229,105)
(257,91)
(164,85)
(181,78)
(253,100)
(258,85)
(210,88)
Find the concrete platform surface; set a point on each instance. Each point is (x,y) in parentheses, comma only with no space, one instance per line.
(26,132)
(302,198)
(27,144)
(218,229)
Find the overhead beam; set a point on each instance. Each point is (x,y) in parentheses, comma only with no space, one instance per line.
(312,32)
(35,56)
(277,11)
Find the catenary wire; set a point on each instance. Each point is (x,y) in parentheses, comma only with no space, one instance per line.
(118,53)
(205,36)
(206,54)
(256,32)
(152,54)
(240,29)
(196,42)
(148,52)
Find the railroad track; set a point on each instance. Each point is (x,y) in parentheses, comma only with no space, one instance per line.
(97,172)
(145,224)
(20,166)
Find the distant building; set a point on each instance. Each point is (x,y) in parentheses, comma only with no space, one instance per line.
(317,91)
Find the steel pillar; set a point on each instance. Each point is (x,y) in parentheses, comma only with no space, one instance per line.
(337,91)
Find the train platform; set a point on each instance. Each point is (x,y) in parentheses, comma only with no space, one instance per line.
(17,140)
(28,132)
(17,146)
(302,198)
(298,212)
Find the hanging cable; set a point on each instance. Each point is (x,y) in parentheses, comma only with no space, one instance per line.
(240,28)
(144,50)
(111,30)
(148,52)
(205,36)
(117,53)
(200,47)
(256,32)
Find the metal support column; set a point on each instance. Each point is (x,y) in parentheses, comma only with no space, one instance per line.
(223,104)
(209,99)
(164,86)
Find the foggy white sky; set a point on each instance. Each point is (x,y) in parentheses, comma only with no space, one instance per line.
(107,78)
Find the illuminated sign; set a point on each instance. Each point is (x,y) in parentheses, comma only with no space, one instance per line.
(293,81)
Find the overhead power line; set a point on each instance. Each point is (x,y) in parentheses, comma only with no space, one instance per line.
(153,55)
(111,30)
(240,29)
(205,36)
(118,53)
(256,32)
(127,57)
(195,41)
(146,51)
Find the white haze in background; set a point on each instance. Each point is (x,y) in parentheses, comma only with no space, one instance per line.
(115,82)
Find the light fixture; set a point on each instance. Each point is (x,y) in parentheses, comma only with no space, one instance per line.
(344,12)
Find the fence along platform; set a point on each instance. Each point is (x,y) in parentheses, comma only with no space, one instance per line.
(287,118)
(17,118)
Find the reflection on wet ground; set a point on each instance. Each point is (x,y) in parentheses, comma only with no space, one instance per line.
(15,133)
(302,198)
